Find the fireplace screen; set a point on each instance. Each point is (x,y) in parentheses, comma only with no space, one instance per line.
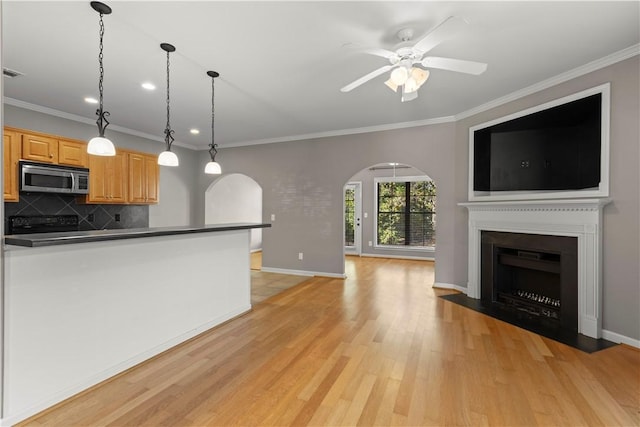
(535,275)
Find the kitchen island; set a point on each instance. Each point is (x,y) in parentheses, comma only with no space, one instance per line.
(81,307)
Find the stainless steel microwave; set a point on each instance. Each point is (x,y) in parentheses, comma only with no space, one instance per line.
(47,178)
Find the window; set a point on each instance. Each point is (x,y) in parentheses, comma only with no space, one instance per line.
(406,212)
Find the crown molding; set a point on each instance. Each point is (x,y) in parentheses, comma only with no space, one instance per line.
(343,132)
(81,119)
(545,84)
(615,57)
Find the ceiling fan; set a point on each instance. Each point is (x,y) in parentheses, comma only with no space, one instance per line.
(404,74)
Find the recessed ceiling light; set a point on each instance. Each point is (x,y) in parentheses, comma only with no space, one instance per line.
(194,131)
(90,100)
(148,86)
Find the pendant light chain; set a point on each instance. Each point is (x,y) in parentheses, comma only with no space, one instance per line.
(102,121)
(168,131)
(100,57)
(213,150)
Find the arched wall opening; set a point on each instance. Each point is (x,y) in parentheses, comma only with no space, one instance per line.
(366,180)
(235,198)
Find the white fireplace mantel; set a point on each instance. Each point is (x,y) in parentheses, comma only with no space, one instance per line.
(581,218)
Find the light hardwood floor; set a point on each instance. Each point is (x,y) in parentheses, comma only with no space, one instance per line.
(379,348)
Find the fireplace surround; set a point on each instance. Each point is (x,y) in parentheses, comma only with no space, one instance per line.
(577,218)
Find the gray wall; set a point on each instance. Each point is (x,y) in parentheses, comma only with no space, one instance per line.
(366,177)
(176,195)
(303,183)
(621,231)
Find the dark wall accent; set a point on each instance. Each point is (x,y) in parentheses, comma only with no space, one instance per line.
(104,216)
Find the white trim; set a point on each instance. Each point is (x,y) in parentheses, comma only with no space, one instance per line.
(620,339)
(417,258)
(342,132)
(441,285)
(253,251)
(74,117)
(120,367)
(601,191)
(615,57)
(303,272)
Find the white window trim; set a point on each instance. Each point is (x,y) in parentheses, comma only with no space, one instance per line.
(376,180)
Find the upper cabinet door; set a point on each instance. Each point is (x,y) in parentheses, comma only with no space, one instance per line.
(152,171)
(72,153)
(11,143)
(39,148)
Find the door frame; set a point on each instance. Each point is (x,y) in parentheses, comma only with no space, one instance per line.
(356,249)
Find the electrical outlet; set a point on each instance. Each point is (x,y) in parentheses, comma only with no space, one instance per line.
(273,217)
(370,243)
(366,215)
(117,217)
(90,218)
(300,256)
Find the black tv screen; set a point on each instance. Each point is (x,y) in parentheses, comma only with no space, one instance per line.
(554,149)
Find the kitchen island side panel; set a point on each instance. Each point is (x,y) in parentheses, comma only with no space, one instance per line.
(78,314)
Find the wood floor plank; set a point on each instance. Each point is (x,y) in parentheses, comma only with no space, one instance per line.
(378,348)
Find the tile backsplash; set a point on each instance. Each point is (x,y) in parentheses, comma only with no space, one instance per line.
(103,216)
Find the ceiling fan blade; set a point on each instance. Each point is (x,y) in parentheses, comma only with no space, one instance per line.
(366,78)
(381,52)
(447,29)
(459,65)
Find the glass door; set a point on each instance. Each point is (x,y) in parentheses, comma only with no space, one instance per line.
(352,216)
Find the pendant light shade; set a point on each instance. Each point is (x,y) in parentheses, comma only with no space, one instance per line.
(213,167)
(168,157)
(100,145)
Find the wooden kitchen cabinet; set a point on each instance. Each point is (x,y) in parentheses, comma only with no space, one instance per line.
(39,148)
(72,153)
(11,141)
(143,178)
(108,179)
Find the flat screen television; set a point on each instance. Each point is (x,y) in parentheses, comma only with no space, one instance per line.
(557,147)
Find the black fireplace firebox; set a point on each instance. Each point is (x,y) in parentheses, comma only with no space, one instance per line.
(533,276)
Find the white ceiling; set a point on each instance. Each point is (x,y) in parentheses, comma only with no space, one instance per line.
(282,63)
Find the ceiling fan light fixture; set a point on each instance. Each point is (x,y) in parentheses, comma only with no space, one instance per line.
(408,96)
(399,76)
(419,75)
(391,85)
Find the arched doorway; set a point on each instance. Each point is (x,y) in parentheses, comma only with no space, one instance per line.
(235,198)
(398,215)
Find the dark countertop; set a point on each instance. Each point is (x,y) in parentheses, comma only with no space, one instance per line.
(72,237)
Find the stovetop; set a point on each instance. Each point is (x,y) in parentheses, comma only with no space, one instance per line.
(27,224)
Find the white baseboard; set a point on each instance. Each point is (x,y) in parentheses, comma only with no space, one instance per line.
(441,285)
(418,258)
(253,251)
(620,339)
(12,419)
(303,272)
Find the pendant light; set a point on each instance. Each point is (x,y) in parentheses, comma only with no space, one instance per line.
(100,145)
(168,157)
(213,167)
